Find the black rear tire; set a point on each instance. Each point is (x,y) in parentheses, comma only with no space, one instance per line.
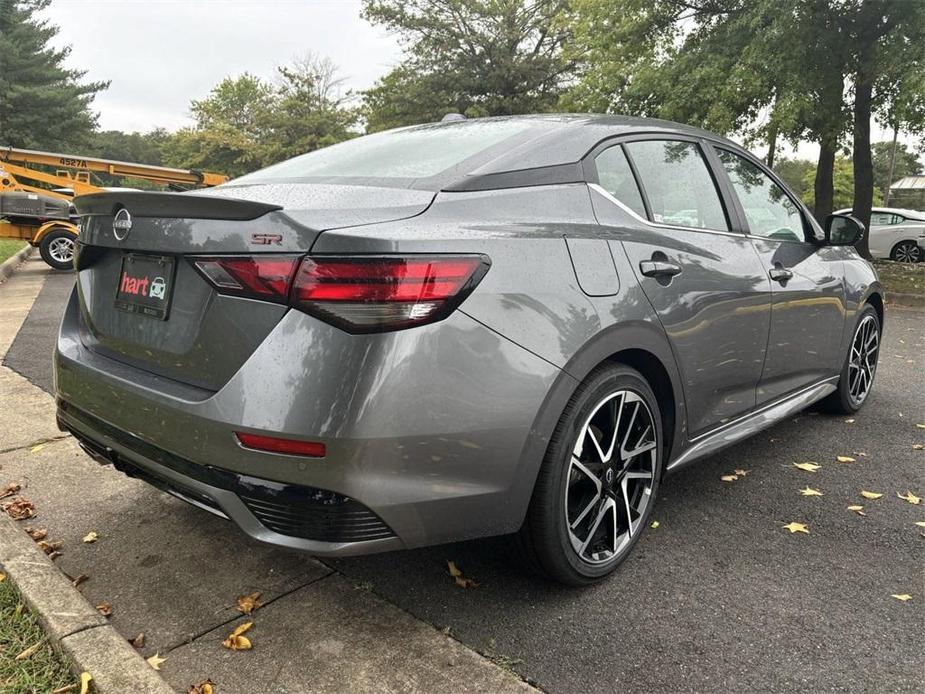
(57,249)
(547,540)
(843,400)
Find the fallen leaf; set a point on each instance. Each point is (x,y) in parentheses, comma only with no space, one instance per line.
(918,446)
(50,547)
(862,454)
(729,478)
(910,497)
(155,661)
(857,509)
(138,641)
(809,491)
(2,577)
(65,689)
(235,640)
(19,508)
(80,579)
(91,537)
(921,524)
(920,426)
(845,459)
(870,495)
(29,651)
(248,603)
(797,528)
(36,449)
(458,577)
(740,472)
(808,467)
(204,687)
(10,490)
(105,609)
(654,525)
(37,533)
(85,679)
(849,421)
(904,597)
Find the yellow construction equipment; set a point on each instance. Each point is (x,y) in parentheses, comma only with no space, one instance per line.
(44,217)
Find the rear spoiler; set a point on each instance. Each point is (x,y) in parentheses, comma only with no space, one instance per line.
(170,205)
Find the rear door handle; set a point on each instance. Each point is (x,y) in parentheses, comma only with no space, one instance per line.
(659,268)
(780,274)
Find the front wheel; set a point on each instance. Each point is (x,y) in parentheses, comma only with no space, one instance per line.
(860,367)
(598,482)
(57,249)
(906,252)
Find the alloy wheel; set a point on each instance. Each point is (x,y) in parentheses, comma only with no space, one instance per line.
(862,362)
(907,252)
(610,478)
(61,250)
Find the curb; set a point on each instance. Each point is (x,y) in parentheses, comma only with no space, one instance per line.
(72,624)
(901,299)
(10,264)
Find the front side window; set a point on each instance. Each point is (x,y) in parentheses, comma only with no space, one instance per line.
(769,210)
(616,177)
(678,184)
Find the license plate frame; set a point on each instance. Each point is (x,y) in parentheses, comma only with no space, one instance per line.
(147,290)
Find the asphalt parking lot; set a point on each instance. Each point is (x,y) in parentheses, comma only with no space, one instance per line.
(718,597)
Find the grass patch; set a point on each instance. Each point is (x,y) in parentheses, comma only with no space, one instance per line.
(41,672)
(901,278)
(9,247)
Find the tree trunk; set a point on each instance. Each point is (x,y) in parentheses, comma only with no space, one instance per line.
(824,184)
(889,178)
(863,166)
(772,146)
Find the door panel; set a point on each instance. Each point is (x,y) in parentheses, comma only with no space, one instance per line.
(807,316)
(716,315)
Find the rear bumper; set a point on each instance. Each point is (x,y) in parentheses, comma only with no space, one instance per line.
(431,433)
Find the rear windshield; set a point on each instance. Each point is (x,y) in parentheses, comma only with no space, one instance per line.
(398,156)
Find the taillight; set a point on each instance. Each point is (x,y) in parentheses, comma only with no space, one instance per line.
(372,294)
(257,277)
(359,294)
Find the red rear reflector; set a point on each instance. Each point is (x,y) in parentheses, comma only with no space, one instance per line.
(258,277)
(371,294)
(271,444)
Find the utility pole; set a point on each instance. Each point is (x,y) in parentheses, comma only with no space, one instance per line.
(889,180)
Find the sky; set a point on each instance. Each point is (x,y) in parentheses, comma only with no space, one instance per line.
(161,54)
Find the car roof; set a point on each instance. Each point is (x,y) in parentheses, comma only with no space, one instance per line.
(917,215)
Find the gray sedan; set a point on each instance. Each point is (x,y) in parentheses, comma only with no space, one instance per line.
(495,326)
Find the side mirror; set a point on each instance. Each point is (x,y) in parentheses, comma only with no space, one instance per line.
(842,230)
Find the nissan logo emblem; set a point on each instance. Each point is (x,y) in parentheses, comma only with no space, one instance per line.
(121,224)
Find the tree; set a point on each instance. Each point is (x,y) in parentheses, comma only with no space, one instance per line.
(246,123)
(843,189)
(906,164)
(888,64)
(796,173)
(478,57)
(43,105)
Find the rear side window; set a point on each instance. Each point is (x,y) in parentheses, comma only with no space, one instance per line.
(616,177)
(678,184)
(770,212)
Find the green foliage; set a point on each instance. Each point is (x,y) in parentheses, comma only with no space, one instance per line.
(906,164)
(798,174)
(843,179)
(246,123)
(43,105)
(477,57)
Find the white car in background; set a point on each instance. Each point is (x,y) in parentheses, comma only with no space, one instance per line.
(896,234)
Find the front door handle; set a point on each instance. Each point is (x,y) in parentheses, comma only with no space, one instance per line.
(780,274)
(659,268)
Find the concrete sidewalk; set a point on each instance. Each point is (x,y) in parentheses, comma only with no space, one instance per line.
(174,573)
